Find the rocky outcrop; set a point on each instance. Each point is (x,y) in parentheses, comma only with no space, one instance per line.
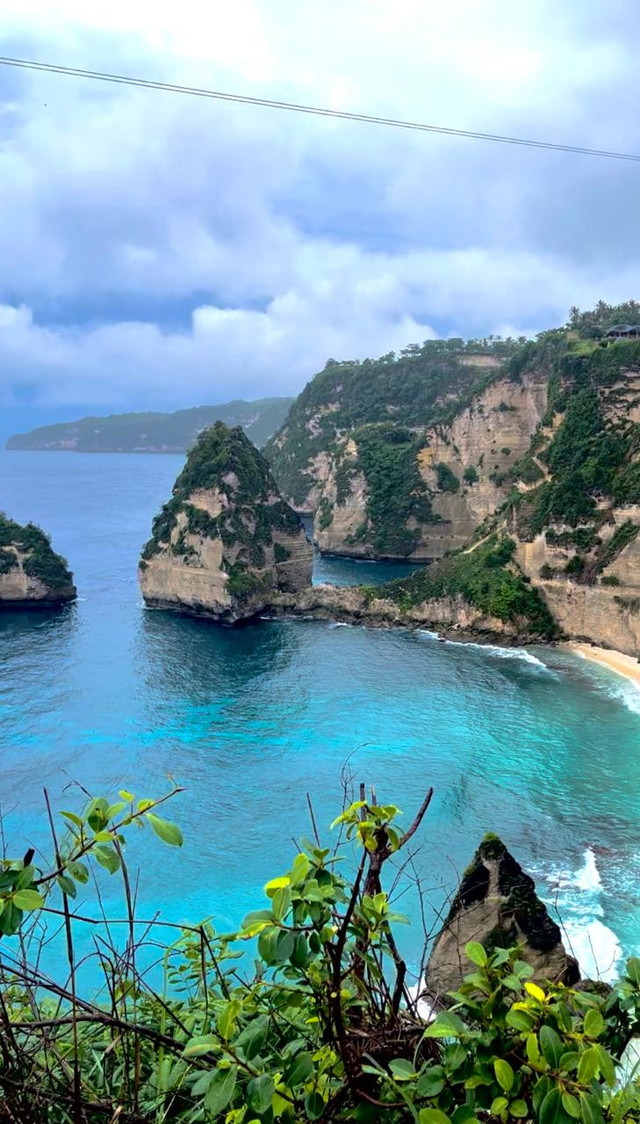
(226,543)
(32,575)
(497,906)
(451,616)
(458,466)
(605,612)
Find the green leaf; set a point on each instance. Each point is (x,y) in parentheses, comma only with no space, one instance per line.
(433,1116)
(228,1018)
(201,1044)
(28,900)
(446,1025)
(590,1109)
(284,946)
(220,1090)
(79,871)
(569,1061)
(431,1082)
(498,1105)
(10,919)
(532,1048)
(476,954)
(299,1070)
(519,1020)
(314,1106)
(633,970)
(67,885)
(107,857)
(402,1069)
(300,955)
(551,1046)
(551,1110)
(587,1066)
(259,1093)
(540,1091)
(606,1064)
(267,945)
(169,832)
(593,1023)
(253,1037)
(504,1074)
(71,816)
(518,1109)
(128,796)
(571,1105)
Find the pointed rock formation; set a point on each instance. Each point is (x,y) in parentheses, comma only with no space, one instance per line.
(497,905)
(226,542)
(32,575)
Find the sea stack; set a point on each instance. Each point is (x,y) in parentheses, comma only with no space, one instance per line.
(226,542)
(497,906)
(32,575)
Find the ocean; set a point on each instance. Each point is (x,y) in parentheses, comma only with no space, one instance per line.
(538,745)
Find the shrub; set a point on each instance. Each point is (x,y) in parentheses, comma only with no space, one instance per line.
(315,1030)
(470,475)
(447,480)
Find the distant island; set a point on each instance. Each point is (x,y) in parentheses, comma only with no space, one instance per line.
(155,432)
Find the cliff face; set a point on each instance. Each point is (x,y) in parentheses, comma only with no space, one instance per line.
(497,906)
(226,542)
(574,507)
(32,575)
(479,592)
(450,470)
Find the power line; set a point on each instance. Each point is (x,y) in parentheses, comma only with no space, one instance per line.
(316,111)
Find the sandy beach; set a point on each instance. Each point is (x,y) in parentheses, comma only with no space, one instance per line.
(615,661)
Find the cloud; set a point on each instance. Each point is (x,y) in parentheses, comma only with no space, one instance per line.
(159,250)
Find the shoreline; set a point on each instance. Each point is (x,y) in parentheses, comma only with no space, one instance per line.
(627,666)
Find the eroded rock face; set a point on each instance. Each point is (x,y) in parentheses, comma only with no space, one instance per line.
(226,542)
(497,905)
(457,466)
(32,575)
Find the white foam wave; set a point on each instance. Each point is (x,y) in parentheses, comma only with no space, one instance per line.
(339,624)
(595,947)
(576,902)
(504,653)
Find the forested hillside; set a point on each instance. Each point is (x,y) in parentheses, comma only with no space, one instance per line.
(153,432)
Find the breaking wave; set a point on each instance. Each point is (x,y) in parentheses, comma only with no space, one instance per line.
(574,898)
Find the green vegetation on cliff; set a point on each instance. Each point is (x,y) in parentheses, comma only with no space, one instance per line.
(421,386)
(585,458)
(155,432)
(396,494)
(39,559)
(225,462)
(487,578)
(304,1014)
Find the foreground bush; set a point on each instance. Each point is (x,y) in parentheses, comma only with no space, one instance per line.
(303,1015)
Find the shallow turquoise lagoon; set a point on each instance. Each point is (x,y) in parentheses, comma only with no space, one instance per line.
(537,745)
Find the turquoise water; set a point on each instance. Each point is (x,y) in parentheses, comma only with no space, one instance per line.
(539,746)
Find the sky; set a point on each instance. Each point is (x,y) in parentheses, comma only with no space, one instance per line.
(160,251)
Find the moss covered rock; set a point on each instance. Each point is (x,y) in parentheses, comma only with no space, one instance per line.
(496,905)
(32,575)
(226,542)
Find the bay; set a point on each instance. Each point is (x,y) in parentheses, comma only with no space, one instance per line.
(537,745)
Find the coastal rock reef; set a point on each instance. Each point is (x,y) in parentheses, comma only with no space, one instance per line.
(226,542)
(32,575)
(496,905)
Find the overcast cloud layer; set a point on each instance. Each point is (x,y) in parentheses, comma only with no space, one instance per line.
(159,251)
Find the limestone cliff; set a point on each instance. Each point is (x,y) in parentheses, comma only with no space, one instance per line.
(497,906)
(226,542)
(574,504)
(446,476)
(32,575)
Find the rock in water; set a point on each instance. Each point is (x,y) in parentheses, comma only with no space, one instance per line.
(497,905)
(32,575)
(226,542)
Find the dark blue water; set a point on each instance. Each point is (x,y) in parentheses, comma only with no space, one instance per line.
(539,746)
